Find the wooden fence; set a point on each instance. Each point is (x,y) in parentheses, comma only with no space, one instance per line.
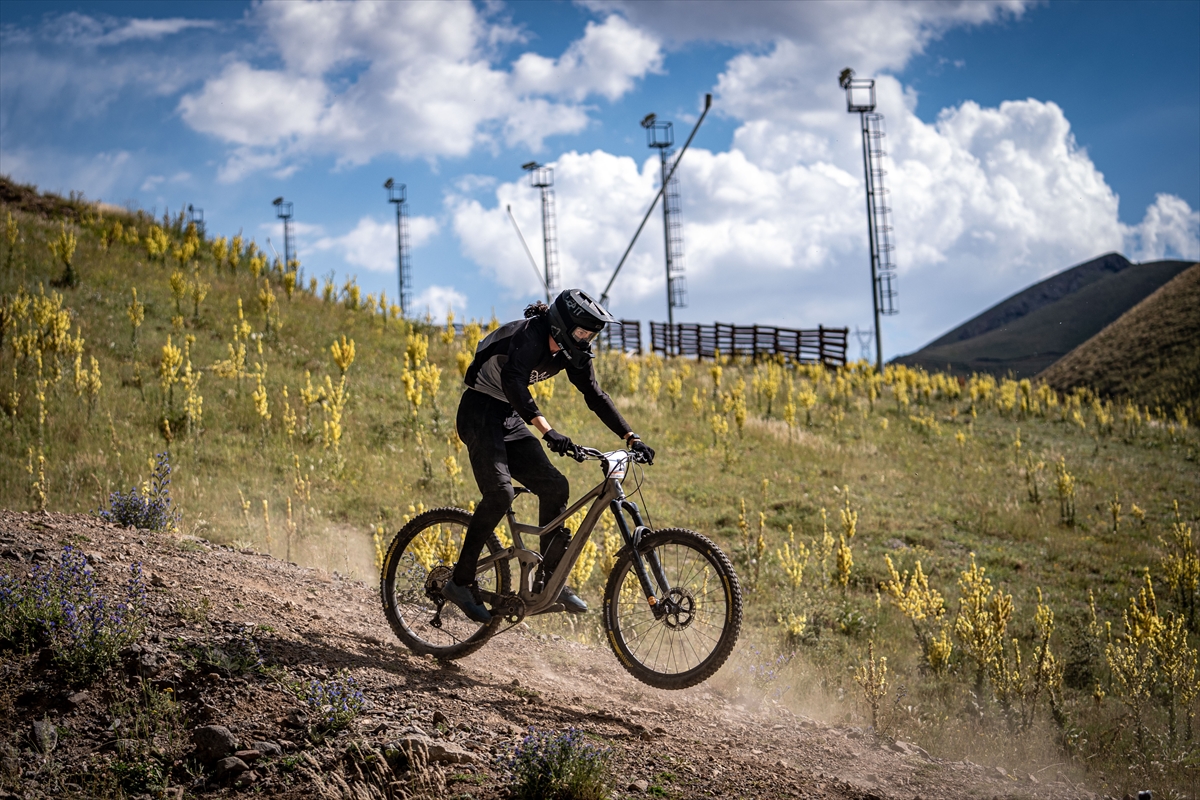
(624,335)
(821,346)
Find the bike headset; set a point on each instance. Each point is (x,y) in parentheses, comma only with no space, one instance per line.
(575,320)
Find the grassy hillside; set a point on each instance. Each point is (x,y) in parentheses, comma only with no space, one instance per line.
(1150,355)
(811,479)
(1031,330)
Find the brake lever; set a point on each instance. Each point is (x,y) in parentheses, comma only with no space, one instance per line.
(575,454)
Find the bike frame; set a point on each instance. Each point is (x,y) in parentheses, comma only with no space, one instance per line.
(609,494)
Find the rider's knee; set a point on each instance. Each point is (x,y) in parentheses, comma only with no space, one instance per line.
(500,497)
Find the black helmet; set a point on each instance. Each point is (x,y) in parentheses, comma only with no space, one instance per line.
(575,320)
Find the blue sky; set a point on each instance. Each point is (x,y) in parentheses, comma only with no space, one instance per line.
(1022,138)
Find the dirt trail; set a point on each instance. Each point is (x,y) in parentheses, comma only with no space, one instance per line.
(311,624)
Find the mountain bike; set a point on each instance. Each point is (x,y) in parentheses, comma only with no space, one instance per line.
(672,604)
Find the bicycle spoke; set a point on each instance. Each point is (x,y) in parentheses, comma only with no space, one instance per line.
(657,643)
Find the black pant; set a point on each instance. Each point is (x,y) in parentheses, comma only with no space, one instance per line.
(501,448)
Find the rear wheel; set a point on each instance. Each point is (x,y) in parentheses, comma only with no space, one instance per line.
(418,563)
(700,616)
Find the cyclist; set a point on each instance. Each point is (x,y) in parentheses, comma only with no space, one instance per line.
(493,414)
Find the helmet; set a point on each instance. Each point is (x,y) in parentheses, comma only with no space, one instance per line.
(575,320)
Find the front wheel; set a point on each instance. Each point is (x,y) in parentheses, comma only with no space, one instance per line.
(418,563)
(700,615)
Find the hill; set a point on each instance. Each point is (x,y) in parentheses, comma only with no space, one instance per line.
(308,422)
(1150,354)
(229,632)
(1035,327)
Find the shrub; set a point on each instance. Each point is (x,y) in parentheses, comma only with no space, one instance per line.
(150,509)
(333,704)
(59,606)
(550,765)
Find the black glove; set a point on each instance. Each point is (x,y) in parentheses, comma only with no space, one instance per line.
(558,443)
(642,451)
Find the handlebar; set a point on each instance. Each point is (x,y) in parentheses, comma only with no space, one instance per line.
(582,454)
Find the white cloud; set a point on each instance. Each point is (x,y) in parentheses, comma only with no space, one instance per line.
(986,200)
(606,61)
(1170,229)
(413,79)
(83,30)
(151,183)
(371,245)
(436,300)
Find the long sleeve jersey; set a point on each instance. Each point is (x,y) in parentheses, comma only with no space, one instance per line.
(517,354)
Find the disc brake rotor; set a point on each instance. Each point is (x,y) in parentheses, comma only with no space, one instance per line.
(681,608)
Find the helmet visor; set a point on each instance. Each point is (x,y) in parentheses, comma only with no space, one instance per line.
(583,335)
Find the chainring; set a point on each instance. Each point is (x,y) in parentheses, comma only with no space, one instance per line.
(511,607)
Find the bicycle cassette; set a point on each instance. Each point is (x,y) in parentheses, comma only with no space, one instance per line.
(438,577)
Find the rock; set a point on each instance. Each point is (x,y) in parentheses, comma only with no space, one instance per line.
(269,749)
(295,718)
(45,735)
(157,580)
(285,744)
(249,756)
(639,786)
(75,700)
(1003,773)
(441,751)
(439,718)
(213,743)
(95,558)
(229,767)
(246,779)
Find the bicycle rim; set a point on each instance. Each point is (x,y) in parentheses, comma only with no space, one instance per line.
(684,648)
(430,545)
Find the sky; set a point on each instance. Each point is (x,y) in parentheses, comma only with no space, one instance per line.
(1022,138)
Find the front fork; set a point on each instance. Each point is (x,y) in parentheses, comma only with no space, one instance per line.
(634,540)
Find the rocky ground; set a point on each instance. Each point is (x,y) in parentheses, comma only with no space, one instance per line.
(204,703)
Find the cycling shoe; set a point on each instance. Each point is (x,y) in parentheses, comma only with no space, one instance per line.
(572,603)
(464,598)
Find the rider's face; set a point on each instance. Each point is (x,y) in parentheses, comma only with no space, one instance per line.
(584,336)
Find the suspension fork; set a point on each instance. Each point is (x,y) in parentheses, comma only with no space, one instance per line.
(634,540)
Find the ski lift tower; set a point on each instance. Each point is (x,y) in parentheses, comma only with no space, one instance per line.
(860,99)
(398,194)
(542,177)
(283,210)
(661,136)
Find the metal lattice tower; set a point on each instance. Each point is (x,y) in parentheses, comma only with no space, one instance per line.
(661,136)
(860,99)
(398,194)
(542,177)
(283,210)
(196,217)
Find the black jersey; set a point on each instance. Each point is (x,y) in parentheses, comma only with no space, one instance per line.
(517,354)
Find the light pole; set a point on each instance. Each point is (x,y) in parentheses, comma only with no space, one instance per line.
(542,177)
(860,99)
(283,210)
(398,194)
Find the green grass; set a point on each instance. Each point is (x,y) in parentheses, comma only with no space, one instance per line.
(918,492)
